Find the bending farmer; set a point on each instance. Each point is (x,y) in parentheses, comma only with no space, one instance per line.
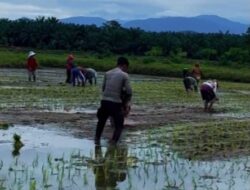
(189,82)
(208,93)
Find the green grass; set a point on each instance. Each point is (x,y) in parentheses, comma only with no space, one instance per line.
(163,66)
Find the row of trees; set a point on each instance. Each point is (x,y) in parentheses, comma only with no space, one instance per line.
(49,33)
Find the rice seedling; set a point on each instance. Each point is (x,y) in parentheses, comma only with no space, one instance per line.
(157,157)
(32,185)
(4,126)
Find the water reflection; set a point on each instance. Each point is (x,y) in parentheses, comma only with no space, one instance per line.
(17,145)
(110,169)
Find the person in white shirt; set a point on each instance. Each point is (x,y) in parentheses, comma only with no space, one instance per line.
(208,91)
(90,75)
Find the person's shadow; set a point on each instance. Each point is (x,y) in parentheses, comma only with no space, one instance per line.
(110,169)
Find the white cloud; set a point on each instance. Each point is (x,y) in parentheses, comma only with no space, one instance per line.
(237,10)
(14,11)
(129,9)
(121,11)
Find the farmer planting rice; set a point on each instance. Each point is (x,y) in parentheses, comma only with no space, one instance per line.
(208,91)
(69,65)
(77,76)
(189,82)
(31,66)
(197,73)
(115,81)
(90,75)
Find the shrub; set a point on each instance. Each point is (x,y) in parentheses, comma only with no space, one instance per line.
(155,51)
(148,60)
(209,54)
(237,54)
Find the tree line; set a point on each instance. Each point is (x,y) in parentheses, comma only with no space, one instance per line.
(50,33)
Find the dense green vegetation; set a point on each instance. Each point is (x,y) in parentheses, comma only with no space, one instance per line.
(111,38)
(171,66)
(222,56)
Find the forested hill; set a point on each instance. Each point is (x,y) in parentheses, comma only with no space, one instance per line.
(201,24)
(112,38)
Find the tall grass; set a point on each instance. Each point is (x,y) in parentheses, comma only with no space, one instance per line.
(163,66)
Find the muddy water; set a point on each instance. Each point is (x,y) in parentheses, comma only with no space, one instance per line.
(39,146)
(54,158)
(63,109)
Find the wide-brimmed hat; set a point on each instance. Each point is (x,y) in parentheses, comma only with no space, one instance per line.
(31,53)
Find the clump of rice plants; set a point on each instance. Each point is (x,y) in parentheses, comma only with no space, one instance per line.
(4,126)
(212,140)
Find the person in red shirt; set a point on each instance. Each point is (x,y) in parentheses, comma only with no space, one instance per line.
(31,65)
(69,66)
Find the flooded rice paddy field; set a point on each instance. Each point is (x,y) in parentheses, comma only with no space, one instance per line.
(47,129)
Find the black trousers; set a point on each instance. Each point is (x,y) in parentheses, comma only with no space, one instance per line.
(110,109)
(68,76)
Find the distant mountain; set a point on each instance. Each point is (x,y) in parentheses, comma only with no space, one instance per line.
(201,24)
(84,20)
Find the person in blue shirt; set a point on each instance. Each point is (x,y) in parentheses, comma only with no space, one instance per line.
(77,76)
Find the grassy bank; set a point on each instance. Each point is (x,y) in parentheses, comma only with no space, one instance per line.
(163,66)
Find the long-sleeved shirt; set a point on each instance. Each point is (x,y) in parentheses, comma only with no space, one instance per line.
(31,64)
(90,73)
(191,81)
(212,85)
(115,83)
(69,64)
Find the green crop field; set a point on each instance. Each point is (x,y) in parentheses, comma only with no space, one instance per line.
(47,128)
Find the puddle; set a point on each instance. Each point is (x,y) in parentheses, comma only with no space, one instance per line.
(13,87)
(39,141)
(245,92)
(233,115)
(53,158)
(71,110)
(42,145)
(166,167)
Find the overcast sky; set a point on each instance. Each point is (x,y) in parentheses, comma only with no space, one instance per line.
(237,10)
